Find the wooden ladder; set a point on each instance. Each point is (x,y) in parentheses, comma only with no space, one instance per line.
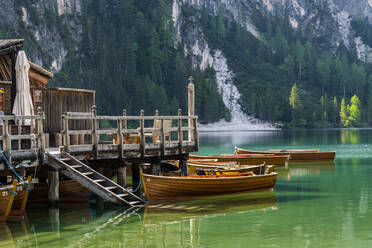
(92,180)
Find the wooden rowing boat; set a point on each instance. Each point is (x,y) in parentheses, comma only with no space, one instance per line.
(256,159)
(166,188)
(13,199)
(200,169)
(311,155)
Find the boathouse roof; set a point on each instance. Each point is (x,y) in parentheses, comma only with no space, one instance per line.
(10,43)
(41,70)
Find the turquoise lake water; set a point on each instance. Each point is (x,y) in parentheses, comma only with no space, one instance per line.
(313,205)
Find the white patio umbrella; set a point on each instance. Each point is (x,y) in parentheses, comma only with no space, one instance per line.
(23,102)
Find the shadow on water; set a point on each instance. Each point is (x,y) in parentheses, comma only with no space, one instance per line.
(296,188)
(160,212)
(293,198)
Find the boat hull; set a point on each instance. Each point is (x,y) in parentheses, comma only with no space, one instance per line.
(256,169)
(313,155)
(69,191)
(166,188)
(13,199)
(278,160)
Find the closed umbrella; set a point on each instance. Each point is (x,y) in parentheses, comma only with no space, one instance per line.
(23,102)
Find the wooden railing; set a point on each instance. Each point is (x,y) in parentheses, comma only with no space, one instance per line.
(12,129)
(138,135)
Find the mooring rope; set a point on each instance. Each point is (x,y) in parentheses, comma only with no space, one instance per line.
(138,187)
(11,167)
(8,189)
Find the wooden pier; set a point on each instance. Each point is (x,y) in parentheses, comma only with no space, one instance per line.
(108,142)
(148,137)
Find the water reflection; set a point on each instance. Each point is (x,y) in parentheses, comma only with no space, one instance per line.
(350,136)
(304,169)
(176,210)
(313,205)
(237,138)
(16,233)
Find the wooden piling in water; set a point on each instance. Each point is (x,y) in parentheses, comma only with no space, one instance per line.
(53,188)
(122,174)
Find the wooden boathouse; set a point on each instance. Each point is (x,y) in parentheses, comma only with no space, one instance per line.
(68,140)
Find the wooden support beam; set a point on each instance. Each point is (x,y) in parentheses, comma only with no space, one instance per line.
(58,140)
(196,135)
(6,138)
(66,135)
(191,106)
(122,174)
(94,131)
(142,134)
(162,138)
(53,187)
(180,133)
(120,138)
(40,133)
(54,220)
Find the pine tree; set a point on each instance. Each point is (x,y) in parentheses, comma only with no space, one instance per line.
(343,112)
(354,111)
(295,103)
(335,110)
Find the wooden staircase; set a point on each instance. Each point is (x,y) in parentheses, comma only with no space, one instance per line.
(92,180)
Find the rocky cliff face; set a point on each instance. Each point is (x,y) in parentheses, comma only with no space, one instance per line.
(45,25)
(329,18)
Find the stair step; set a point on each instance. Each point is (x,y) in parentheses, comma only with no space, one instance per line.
(134,202)
(110,188)
(76,166)
(99,180)
(87,173)
(122,195)
(65,159)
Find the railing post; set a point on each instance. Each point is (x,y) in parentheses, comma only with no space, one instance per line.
(41,136)
(120,137)
(196,135)
(66,138)
(142,133)
(162,137)
(180,133)
(8,145)
(94,131)
(125,120)
(191,106)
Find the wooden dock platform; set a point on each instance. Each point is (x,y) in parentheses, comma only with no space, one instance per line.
(109,142)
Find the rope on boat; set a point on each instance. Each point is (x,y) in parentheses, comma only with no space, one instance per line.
(8,189)
(11,167)
(138,187)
